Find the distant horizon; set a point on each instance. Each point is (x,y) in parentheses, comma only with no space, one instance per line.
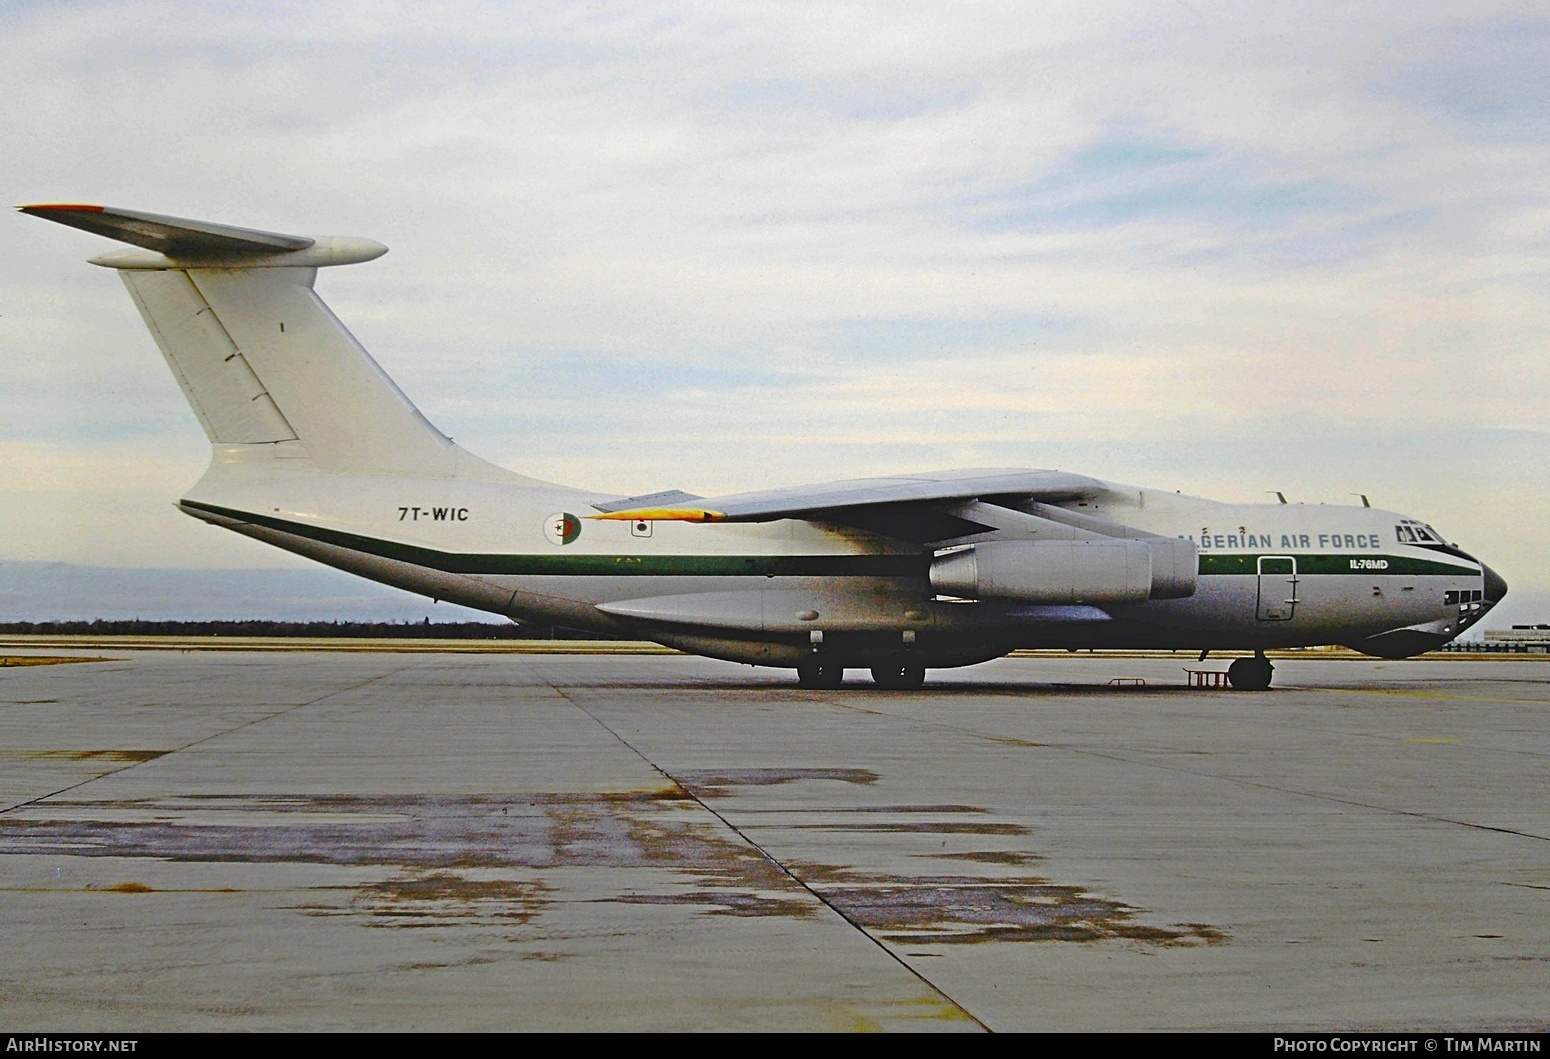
(62,591)
(495,629)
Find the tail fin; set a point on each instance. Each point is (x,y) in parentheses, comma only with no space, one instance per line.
(260,358)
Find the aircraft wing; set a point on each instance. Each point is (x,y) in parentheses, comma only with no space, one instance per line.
(909,507)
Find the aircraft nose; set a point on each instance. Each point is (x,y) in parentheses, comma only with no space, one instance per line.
(1495,584)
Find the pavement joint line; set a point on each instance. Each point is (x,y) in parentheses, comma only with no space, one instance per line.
(205,739)
(1314,795)
(776,862)
(1401,693)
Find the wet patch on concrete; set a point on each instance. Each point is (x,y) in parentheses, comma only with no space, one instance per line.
(7,661)
(728,903)
(1015,858)
(117,757)
(472,961)
(460,860)
(962,909)
(412,831)
(715,783)
(143,888)
(438,899)
(864,810)
(954,911)
(925,827)
(233,1010)
(480,860)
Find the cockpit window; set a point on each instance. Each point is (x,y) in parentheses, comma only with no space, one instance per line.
(1412,532)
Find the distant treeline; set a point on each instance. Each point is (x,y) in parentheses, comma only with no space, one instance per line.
(423,630)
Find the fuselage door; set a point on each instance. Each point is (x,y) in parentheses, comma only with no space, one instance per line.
(1277,588)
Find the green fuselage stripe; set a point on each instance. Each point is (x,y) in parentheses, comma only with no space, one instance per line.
(581,565)
(1367,565)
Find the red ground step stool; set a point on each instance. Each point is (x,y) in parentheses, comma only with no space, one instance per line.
(1208,678)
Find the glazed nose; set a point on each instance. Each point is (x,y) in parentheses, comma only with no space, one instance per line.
(1495,584)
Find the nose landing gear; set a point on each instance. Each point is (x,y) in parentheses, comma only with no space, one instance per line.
(1250,674)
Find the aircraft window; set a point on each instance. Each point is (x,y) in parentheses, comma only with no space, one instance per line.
(1450,598)
(1412,532)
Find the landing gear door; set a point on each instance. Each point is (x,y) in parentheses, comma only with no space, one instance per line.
(1277,588)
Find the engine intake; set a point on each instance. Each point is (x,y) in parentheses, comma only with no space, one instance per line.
(1088,571)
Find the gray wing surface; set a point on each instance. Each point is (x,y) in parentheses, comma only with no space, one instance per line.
(675,498)
(912,507)
(802,501)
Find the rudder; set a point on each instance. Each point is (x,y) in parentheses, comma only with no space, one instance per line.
(221,387)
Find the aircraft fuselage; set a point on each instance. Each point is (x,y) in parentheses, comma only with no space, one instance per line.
(1270,575)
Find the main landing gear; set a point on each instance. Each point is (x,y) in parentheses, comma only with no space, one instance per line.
(902,674)
(815,671)
(1250,674)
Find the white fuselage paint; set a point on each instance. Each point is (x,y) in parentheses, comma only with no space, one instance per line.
(757,591)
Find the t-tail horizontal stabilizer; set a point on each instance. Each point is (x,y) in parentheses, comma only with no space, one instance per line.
(175,242)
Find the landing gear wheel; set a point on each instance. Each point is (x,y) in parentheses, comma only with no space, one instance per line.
(817,672)
(900,675)
(1250,674)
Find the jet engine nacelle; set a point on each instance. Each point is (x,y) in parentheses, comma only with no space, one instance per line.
(1087,571)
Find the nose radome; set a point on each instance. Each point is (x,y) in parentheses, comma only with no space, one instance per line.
(1495,584)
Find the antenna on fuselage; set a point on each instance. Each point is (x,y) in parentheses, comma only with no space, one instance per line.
(1365,501)
(1278,494)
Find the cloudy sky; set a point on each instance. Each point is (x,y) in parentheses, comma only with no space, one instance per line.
(1222,248)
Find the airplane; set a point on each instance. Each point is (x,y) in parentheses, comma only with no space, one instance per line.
(316,451)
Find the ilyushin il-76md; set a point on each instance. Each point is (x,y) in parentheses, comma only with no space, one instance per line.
(315,450)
